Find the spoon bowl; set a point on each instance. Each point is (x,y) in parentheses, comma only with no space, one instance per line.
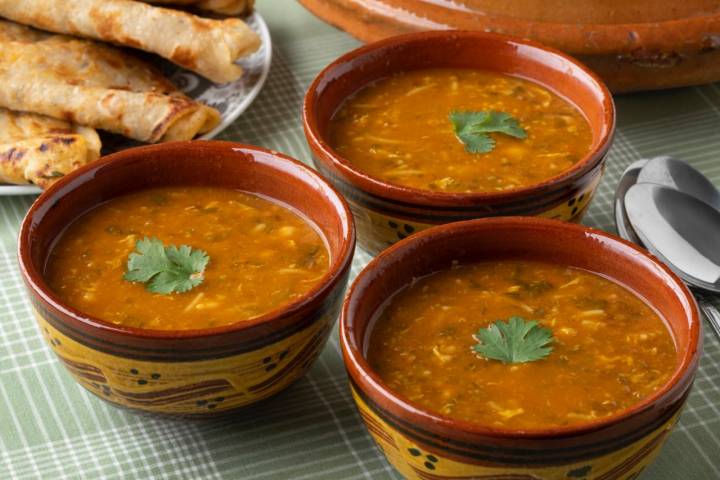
(678,228)
(681,176)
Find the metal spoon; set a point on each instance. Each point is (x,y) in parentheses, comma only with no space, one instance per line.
(626,230)
(666,171)
(627,180)
(681,176)
(683,232)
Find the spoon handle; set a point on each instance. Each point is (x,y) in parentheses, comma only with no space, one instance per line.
(711,312)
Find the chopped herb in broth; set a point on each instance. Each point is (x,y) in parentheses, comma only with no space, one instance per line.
(166,269)
(245,256)
(596,348)
(459,130)
(473,129)
(515,341)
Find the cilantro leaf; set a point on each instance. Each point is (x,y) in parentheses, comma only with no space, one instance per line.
(148,260)
(472,128)
(166,269)
(515,341)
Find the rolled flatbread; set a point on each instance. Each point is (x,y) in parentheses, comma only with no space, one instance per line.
(14,32)
(206,46)
(90,63)
(226,7)
(35,149)
(99,86)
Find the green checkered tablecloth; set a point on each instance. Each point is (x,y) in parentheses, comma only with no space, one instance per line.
(50,428)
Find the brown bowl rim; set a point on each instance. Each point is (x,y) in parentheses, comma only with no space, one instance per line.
(378,187)
(354,358)
(37,285)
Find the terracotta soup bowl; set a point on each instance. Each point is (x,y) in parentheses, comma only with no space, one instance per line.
(189,372)
(425,445)
(386,212)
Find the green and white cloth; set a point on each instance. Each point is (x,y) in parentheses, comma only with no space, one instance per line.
(50,428)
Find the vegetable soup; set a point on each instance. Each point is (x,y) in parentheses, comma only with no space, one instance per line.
(459,130)
(186,258)
(520,344)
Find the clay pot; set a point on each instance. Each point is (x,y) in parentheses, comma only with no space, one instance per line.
(639,45)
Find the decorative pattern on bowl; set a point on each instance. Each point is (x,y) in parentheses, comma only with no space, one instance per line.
(380,223)
(415,459)
(198,388)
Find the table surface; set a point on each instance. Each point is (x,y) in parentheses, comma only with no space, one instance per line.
(51,428)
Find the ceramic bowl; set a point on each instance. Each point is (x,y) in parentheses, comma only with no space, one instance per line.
(189,372)
(386,212)
(638,45)
(426,445)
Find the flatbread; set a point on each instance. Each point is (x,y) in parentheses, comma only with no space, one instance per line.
(35,149)
(87,83)
(207,46)
(226,7)
(14,32)
(88,63)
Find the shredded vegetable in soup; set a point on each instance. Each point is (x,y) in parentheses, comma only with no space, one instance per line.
(186,258)
(520,344)
(458,130)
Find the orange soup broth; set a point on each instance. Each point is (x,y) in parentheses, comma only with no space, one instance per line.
(398,129)
(262,256)
(610,349)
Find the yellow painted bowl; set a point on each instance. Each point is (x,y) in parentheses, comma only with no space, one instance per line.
(426,445)
(194,373)
(387,212)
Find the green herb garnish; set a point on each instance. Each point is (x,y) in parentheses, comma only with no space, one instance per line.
(166,269)
(472,128)
(515,341)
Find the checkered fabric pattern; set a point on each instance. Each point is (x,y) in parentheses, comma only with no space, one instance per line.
(50,428)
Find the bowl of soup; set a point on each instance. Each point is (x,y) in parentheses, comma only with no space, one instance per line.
(519,347)
(435,127)
(189,278)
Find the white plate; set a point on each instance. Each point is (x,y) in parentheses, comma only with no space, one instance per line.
(231,99)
